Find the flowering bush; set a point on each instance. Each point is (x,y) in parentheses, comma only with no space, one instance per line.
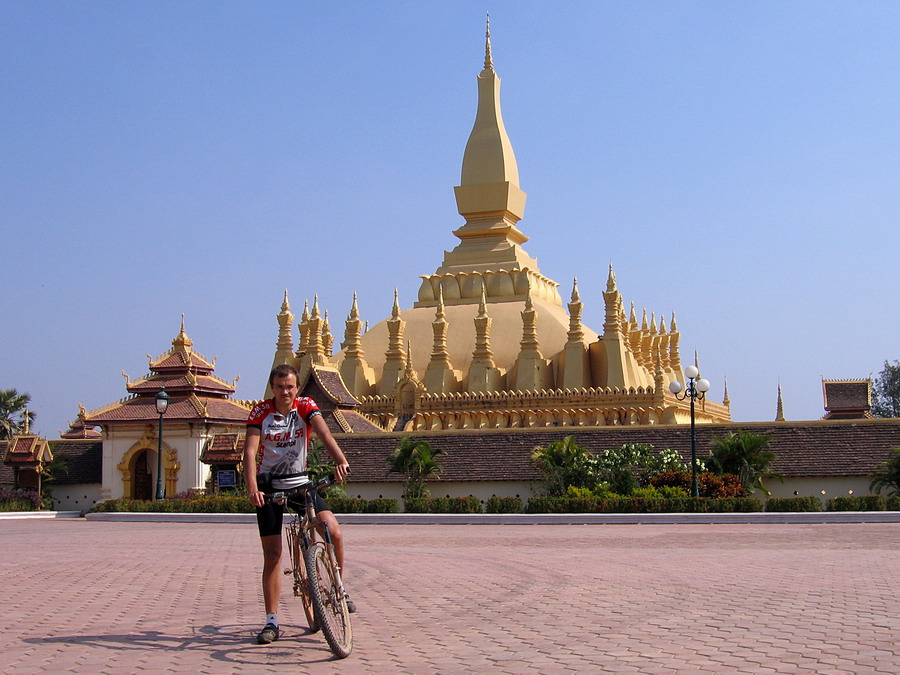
(19,500)
(708,484)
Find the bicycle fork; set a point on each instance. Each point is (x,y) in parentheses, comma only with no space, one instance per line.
(329,547)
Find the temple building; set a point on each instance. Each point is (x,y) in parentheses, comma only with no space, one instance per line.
(200,407)
(488,343)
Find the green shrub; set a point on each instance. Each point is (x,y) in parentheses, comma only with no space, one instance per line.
(503,505)
(563,505)
(793,504)
(442,505)
(579,492)
(857,503)
(892,503)
(17,505)
(382,505)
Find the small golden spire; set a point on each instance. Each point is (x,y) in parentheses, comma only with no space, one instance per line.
(182,340)
(611,280)
(395,310)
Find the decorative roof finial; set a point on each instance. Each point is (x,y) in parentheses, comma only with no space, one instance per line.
(611,280)
(285,306)
(488,61)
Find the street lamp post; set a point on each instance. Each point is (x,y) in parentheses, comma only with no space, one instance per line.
(696,389)
(162,402)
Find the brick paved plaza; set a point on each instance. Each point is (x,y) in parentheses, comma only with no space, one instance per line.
(104,597)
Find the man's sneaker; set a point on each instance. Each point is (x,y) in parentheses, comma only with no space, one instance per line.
(268,634)
(350,606)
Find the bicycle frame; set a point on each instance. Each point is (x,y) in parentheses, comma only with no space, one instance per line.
(324,604)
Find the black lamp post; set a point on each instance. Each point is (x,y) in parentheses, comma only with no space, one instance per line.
(162,402)
(696,389)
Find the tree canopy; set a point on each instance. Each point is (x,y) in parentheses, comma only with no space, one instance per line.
(744,454)
(416,460)
(13,412)
(886,391)
(887,475)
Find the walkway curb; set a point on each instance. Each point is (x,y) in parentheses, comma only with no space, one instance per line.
(11,515)
(529,518)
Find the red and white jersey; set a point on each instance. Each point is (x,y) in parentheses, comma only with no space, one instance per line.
(283,438)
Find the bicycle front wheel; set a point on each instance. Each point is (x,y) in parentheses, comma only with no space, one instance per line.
(299,578)
(328,600)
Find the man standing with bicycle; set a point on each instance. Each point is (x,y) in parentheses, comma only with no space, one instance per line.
(280,427)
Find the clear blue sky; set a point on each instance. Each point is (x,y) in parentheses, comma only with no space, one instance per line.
(736,162)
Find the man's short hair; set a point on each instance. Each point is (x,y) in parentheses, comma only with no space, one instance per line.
(283,370)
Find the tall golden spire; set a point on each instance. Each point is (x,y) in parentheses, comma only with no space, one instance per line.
(488,60)
(488,195)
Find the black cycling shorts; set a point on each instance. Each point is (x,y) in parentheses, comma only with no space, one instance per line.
(269,516)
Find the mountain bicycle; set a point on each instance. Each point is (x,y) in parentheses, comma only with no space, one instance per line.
(314,568)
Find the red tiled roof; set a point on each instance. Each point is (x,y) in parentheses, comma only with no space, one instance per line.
(179,383)
(26,451)
(803,449)
(223,448)
(847,395)
(143,409)
(359,424)
(179,359)
(332,384)
(80,431)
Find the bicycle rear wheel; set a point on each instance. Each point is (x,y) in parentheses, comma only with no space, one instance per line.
(300,579)
(328,600)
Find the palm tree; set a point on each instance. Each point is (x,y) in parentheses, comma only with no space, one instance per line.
(887,475)
(13,413)
(416,460)
(563,463)
(746,455)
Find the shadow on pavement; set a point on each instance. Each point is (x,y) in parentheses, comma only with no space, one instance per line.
(231,644)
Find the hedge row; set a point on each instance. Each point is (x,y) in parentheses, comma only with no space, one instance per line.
(642,505)
(793,504)
(442,505)
(864,503)
(223,504)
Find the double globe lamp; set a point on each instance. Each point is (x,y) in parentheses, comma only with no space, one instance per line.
(696,389)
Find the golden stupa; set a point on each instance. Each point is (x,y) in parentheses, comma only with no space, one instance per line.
(488,342)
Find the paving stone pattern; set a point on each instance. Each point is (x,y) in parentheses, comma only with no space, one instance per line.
(102,597)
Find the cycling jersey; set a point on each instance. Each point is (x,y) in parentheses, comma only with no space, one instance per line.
(283,438)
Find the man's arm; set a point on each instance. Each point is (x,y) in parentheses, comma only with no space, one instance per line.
(251,447)
(324,434)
